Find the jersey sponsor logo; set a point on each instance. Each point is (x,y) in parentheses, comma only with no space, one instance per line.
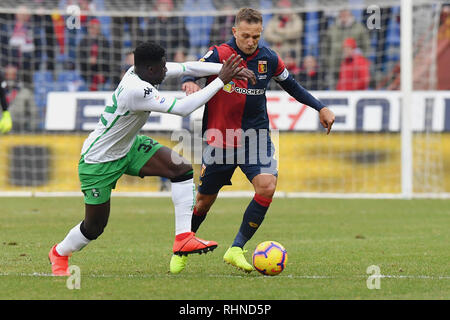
(262,66)
(159,98)
(231,87)
(250,92)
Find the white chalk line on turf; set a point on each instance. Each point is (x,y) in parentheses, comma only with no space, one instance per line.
(289,276)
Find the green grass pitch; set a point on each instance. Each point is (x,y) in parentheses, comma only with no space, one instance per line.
(330,245)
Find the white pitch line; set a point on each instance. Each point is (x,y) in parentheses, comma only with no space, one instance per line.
(36,274)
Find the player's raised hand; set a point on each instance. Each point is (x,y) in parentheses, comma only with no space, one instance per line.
(247,74)
(326,117)
(230,68)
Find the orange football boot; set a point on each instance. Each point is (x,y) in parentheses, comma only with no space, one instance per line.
(60,264)
(187,243)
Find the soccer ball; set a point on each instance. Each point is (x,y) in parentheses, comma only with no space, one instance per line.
(269,258)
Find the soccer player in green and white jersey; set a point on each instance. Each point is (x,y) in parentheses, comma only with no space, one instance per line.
(114,148)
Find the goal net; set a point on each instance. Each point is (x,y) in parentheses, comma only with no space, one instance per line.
(61,60)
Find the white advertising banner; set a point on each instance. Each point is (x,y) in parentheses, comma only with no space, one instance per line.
(365,111)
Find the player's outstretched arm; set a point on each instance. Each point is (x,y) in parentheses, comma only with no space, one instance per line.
(288,83)
(203,69)
(154,101)
(229,70)
(192,68)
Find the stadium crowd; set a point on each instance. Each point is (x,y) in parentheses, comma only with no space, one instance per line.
(42,52)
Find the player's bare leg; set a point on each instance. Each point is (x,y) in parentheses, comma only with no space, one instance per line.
(264,185)
(202,205)
(169,164)
(95,221)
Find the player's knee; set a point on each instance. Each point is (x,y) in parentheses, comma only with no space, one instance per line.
(202,207)
(181,172)
(266,190)
(204,203)
(92,230)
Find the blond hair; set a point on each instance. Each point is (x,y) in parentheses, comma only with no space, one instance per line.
(248,15)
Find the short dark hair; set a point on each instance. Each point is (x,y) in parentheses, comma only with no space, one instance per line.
(148,53)
(248,15)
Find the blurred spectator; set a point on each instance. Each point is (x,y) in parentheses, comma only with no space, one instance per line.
(346,26)
(391,81)
(18,44)
(354,72)
(128,61)
(174,83)
(86,7)
(283,33)
(221,29)
(199,26)
(311,76)
(443,59)
(20,97)
(168,31)
(264,5)
(75,28)
(126,32)
(44,35)
(94,57)
(292,66)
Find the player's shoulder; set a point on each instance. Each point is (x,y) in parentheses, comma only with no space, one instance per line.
(133,86)
(213,54)
(219,52)
(274,62)
(268,53)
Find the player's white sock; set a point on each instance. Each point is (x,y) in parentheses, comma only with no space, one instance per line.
(183,197)
(74,241)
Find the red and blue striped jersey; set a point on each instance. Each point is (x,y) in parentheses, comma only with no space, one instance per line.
(241,105)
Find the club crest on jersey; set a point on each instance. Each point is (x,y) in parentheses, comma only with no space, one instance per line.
(262,66)
(229,87)
(95,193)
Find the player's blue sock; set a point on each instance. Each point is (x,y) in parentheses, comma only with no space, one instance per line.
(253,217)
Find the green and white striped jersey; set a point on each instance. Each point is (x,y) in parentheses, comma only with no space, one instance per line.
(131,103)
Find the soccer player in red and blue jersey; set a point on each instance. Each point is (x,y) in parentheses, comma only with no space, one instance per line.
(236,119)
